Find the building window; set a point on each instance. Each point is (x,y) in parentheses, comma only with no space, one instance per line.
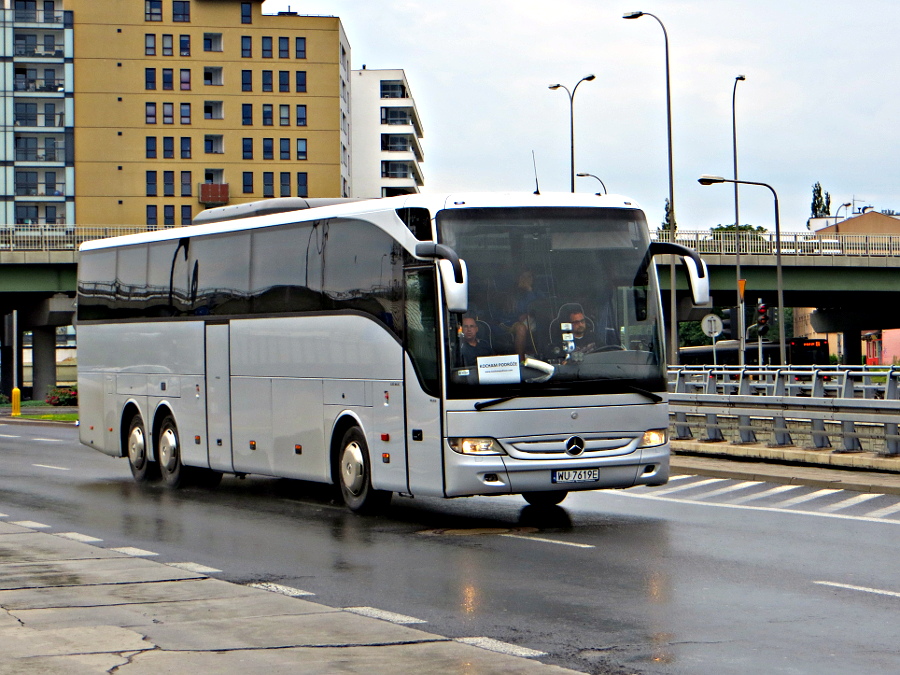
(167,79)
(168,113)
(151,147)
(267,115)
(167,42)
(284,148)
(151,183)
(268,148)
(150,113)
(246,12)
(246,47)
(301,148)
(169,215)
(212,75)
(248,182)
(212,42)
(149,78)
(246,80)
(301,115)
(301,80)
(268,183)
(150,44)
(186,218)
(302,184)
(185,147)
(247,114)
(186,187)
(284,48)
(184,45)
(168,183)
(168,147)
(213,145)
(152,10)
(267,48)
(284,115)
(247,145)
(151,216)
(185,79)
(181,11)
(300,47)
(185,113)
(267,80)
(284,80)
(285,184)
(213,110)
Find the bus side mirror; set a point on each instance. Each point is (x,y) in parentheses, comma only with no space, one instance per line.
(698,278)
(454,276)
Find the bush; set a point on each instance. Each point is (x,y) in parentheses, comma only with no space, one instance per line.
(63,396)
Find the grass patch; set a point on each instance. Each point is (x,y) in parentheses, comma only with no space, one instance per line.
(53,417)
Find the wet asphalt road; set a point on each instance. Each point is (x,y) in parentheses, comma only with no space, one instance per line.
(614,582)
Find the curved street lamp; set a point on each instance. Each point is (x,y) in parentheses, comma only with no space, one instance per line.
(586,78)
(673,305)
(710,180)
(836,212)
(737,226)
(590,175)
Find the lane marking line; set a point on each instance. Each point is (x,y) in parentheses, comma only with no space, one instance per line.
(766,493)
(725,490)
(886,511)
(49,466)
(136,552)
(278,588)
(852,501)
(864,589)
(384,615)
(31,524)
(194,567)
(75,536)
(547,541)
(501,647)
(679,488)
(804,498)
(49,440)
(9,436)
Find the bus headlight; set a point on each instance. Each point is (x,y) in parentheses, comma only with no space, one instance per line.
(475,446)
(654,437)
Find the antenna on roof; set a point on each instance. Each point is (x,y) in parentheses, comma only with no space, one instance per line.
(537,188)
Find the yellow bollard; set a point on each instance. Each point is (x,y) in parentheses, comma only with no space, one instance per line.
(16,402)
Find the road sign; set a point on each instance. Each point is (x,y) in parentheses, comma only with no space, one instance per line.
(712,325)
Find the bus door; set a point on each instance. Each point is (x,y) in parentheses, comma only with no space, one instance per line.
(421,382)
(218,396)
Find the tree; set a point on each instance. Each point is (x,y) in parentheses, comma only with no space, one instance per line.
(821,203)
(667,221)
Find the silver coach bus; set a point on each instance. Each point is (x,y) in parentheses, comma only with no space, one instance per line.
(475,344)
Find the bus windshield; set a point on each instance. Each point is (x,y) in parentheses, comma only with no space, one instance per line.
(559,301)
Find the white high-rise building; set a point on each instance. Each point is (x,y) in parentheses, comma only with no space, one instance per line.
(385,135)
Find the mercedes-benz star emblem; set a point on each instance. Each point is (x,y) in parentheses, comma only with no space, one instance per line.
(575,446)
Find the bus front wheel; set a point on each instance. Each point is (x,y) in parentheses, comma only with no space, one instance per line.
(142,468)
(355,475)
(168,450)
(545,498)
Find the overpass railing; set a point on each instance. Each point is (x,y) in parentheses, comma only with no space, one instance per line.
(57,237)
(792,244)
(842,408)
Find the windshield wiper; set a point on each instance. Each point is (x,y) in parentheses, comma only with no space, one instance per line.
(481,405)
(656,398)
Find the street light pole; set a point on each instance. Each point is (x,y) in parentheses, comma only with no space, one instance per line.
(779,282)
(836,212)
(590,175)
(586,78)
(673,304)
(737,227)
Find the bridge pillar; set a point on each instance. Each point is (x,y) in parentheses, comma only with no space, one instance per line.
(6,357)
(850,324)
(43,361)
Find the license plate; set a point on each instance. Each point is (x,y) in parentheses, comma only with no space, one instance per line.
(575,476)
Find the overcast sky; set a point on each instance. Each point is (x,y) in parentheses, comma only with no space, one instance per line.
(820,102)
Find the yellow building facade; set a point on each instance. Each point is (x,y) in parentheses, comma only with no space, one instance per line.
(180,106)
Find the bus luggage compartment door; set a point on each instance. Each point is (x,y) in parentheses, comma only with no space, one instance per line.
(218,396)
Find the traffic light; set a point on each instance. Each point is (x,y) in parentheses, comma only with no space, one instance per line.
(727,329)
(762,318)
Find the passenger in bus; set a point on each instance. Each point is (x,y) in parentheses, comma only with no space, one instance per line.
(522,323)
(470,347)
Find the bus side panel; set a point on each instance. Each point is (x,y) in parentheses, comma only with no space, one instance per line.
(251,425)
(300,448)
(92,426)
(424,439)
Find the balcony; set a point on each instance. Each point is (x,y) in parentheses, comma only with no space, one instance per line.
(38,51)
(40,85)
(56,154)
(40,189)
(213,194)
(40,120)
(39,16)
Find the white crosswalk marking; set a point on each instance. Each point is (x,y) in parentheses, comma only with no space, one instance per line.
(886,511)
(846,503)
(668,491)
(726,490)
(802,499)
(765,493)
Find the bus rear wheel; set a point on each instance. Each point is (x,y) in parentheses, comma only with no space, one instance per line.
(545,498)
(355,475)
(168,450)
(142,468)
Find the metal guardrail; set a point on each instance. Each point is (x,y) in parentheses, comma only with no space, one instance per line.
(793,244)
(856,407)
(58,237)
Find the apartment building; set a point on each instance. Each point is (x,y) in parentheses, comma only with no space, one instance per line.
(386,135)
(144,112)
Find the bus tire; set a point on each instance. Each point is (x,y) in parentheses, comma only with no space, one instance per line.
(168,451)
(355,475)
(551,498)
(142,468)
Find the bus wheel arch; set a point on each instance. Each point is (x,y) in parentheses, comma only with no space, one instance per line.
(352,468)
(135,444)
